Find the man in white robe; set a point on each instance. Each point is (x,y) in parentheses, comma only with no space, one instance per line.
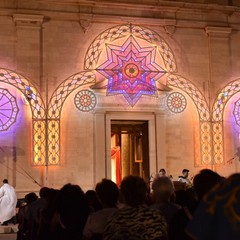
(8,202)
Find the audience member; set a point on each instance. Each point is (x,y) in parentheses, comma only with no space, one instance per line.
(162,172)
(204,181)
(23,230)
(184,178)
(162,194)
(93,201)
(34,210)
(73,211)
(136,220)
(217,216)
(187,199)
(107,192)
(8,202)
(49,218)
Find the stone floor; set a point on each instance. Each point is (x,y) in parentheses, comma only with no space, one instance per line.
(8,232)
(8,236)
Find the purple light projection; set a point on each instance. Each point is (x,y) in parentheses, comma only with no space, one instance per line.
(236,111)
(8,109)
(131,70)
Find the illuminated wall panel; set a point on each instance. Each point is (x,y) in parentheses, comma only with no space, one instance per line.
(39,142)
(53,142)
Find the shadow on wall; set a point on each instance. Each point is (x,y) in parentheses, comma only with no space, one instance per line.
(10,151)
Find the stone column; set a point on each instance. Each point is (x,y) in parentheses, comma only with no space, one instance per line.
(29,47)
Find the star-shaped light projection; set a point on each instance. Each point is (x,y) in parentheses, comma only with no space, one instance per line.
(131,70)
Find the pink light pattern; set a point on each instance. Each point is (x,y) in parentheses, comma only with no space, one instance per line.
(236,112)
(8,109)
(131,70)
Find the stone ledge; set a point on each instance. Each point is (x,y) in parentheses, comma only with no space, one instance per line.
(9,229)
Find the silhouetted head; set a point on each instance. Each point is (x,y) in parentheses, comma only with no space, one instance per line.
(204,181)
(162,188)
(44,192)
(162,172)
(133,190)
(5,180)
(93,201)
(107,191)
(72,207)
(30,197)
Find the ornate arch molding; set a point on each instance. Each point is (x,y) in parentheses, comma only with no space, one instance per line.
(54,111)
(203,112)
(217,118)
(37,108)
(95,49)
(88,77)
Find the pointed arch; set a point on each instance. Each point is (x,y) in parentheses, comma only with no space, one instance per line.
(38,109)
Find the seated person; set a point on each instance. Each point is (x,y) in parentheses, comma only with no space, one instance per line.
(135,220)
(107,192)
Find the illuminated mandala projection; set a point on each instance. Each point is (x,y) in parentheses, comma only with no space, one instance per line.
(8,109)
(176,102)
(85,100)
(131,70)
(236,111)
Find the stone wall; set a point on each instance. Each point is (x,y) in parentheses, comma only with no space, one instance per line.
(46,43)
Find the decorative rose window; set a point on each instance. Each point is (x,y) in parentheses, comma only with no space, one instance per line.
(8,109)
(176,102)
(85,100)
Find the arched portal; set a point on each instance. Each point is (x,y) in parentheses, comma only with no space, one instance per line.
(38,110)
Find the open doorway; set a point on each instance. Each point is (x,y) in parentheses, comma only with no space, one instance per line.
(129,149)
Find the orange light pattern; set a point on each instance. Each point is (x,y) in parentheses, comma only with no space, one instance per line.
(53,142)
(218,142)
(203,112)
(65,89)
(205,128)
(39,142)
(54,111)
(46,125)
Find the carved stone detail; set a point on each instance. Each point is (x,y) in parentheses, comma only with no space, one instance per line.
(28,20)
(218,31)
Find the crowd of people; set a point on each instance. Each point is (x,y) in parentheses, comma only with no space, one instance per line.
(132,211)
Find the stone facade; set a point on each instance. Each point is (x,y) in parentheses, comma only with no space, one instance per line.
(48,55)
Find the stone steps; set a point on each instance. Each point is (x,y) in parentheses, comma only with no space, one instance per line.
(9,229)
